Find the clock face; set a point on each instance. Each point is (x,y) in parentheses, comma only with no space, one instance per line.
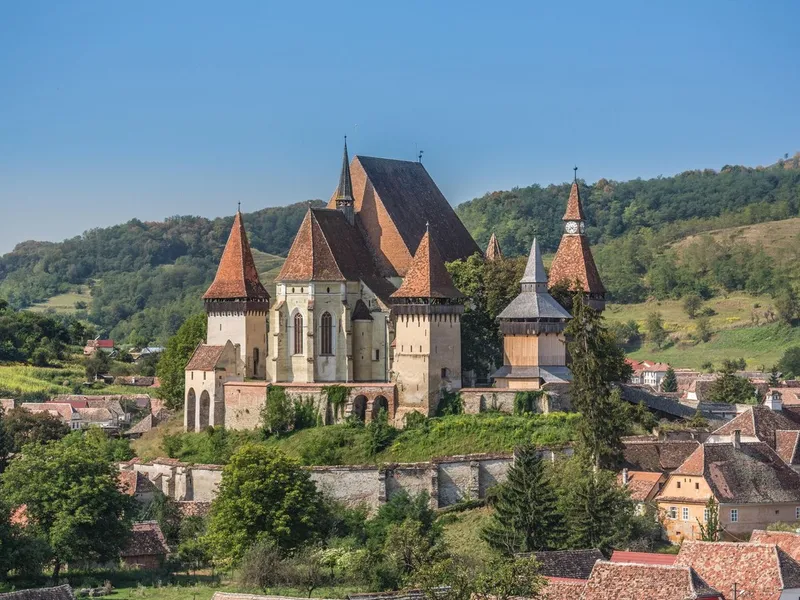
(571,227)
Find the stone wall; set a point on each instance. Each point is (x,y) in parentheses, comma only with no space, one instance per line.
(447,480)
(477,400)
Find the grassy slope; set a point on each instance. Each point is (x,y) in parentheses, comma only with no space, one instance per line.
(16,380)
(65,303)
(462,532)
(734,335)
(777,237)
(461,434)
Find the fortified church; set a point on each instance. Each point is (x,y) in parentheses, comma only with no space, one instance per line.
(364,301)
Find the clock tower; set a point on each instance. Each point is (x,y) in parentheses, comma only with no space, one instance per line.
(574,262)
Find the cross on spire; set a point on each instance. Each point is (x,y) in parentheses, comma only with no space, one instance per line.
(239,206)
(575,168)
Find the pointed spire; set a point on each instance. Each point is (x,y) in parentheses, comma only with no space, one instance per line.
(534,270)
(493,251)
(574,206)
(345,190)
(427,276)
(237,276)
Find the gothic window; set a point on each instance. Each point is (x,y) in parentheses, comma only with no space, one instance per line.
(327,333)
(298,333)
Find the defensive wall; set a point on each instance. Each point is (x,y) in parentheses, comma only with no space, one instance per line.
(447,480)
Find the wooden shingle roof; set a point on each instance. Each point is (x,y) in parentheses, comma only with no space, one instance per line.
(574,262)
(237,276)
(493,251)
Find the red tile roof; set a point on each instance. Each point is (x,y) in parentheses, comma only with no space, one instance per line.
(760,571)
(786,443)
(574,262)
(574,205)
(559,588)
(627,581)
(427,277)
(642,485)
(205,358)
(59,409)
(237,276)
(328,248)
(761,422)
(493,251)
(787,541)
(656,455)
(643,558)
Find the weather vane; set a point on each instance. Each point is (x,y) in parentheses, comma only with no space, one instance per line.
(575,168)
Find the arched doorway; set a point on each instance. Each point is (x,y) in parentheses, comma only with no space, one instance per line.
(379,403)
(360,407)
(205,410)
(190,410)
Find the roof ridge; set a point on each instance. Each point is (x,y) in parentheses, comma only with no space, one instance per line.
(327,245)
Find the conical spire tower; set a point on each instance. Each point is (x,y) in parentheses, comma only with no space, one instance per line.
(427,276)
(493,251)
(344,193)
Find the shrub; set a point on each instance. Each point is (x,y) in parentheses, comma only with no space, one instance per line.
(450,403)
(526,403)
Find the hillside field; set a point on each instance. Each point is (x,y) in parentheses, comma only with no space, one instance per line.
(778,238)
(65,303)
(734,334)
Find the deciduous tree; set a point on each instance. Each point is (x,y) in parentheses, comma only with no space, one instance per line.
(175,358)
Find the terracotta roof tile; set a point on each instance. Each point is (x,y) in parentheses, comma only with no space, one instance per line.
(760,571)
(787,541)
(761,422)
(328,248)
(643,558)
(641,484)
(574,205)
(574,262)
(493,251)
(563,589)
(752,473)
(427,277)
(146,540)
(59,409)
(237,276)
(627,581)
(205,358)
(786,446)
(135,482)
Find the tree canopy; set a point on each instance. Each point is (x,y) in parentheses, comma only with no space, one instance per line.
(176,356)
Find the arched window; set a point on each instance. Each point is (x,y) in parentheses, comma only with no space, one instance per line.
(298,333)
(327,333)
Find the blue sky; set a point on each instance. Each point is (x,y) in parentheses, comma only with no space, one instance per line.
(112,110)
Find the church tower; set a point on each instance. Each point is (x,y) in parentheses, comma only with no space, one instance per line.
(344,193)
(534,347)
(493,251)
(427,348)
(573,262)
(237,304)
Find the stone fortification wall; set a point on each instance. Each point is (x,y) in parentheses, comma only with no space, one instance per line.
(477,400)
(447,480)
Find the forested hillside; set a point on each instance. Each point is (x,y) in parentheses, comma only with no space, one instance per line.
(138,281)
(144,278)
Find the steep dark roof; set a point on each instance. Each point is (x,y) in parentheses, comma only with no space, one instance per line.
(328,248)
(344,192)
(395,199)
(427,277)
(570,564)
(759,421)
(654,401)
(237,276)
(534,301)
(751,473)
(205,358)
(655,455)
(361,312)
(62,592)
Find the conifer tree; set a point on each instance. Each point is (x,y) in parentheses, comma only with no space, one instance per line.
(597,362)
(670,382)
(526,517)
(774,376)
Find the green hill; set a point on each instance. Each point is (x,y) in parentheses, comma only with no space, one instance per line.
(140,280)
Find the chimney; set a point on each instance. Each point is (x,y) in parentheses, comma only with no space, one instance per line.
(736,438)
(624,477)
(774,400)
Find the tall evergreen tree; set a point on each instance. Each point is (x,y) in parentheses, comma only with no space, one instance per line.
(597,362)
(670,382)
(526,517)
(175,358)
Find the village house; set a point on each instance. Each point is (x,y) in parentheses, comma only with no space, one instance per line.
(750,483)
(627,581)
(642,487)
(748,571)
(647,372)
(96,344)
(147,548)
(63,410)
